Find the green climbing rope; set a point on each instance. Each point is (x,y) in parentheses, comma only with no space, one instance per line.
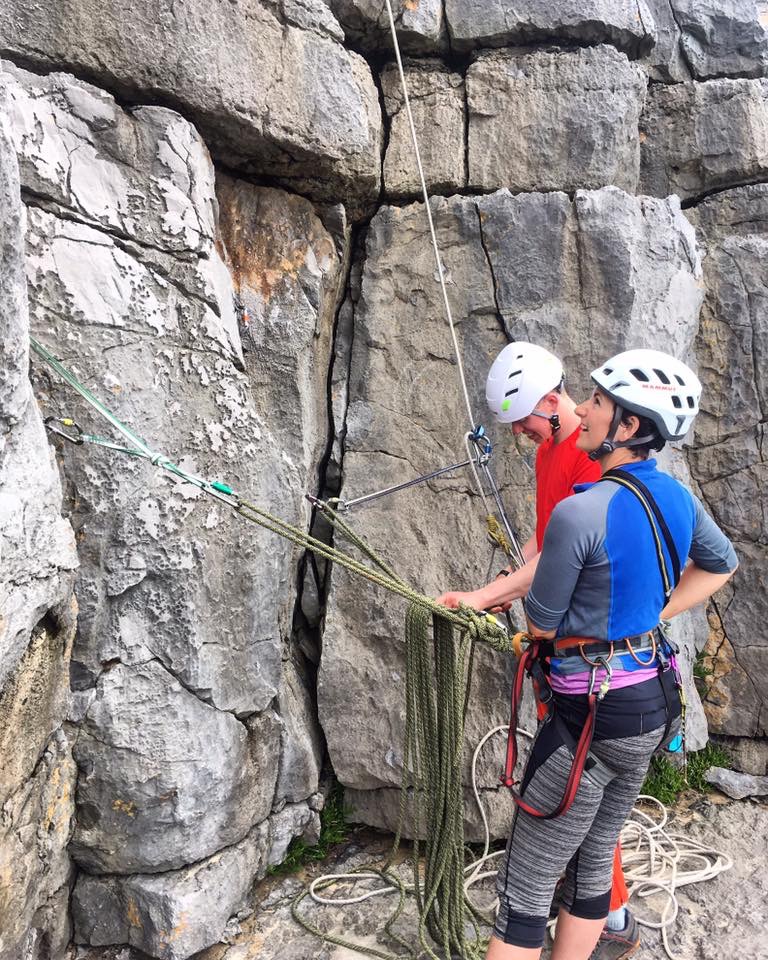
(380,573)
(437,691)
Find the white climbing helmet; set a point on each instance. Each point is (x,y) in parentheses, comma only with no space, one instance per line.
(654,385)
(519,377)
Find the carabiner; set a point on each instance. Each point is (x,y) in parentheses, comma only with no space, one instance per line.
(65,422)
(482,441)
(605,685)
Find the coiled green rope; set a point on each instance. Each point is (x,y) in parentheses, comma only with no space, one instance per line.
(437,690)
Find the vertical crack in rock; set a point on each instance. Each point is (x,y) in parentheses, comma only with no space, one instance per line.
(466,132)
(580,270)
(329,485)
(499,312)
(386,130)
(680,44)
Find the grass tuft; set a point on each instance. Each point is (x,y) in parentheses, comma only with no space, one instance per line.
(334,829)
(665,779)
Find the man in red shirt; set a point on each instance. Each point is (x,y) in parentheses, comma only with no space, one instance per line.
(525,389)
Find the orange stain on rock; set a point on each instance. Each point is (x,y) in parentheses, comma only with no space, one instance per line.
(132,912)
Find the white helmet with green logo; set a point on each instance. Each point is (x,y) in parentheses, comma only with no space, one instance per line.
(519,377)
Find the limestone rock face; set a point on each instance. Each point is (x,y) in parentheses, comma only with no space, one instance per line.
(725,38)
(437,103)
(185,612)
(728,458)
(698,137)
(554,121)
(35,868)
(269,84)
(155,796)
(36,624)
(665,61)
(170,915)
(585,278)
(627,24)
(420,24)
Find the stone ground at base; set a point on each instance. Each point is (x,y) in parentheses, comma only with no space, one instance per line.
(724,917)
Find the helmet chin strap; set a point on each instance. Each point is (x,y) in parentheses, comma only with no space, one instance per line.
(609,444)
(554,419)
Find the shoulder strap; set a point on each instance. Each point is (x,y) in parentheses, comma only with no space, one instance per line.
(657,522)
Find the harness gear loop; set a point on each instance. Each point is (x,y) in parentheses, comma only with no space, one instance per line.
(631,651)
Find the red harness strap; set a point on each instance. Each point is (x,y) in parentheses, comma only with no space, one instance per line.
(528,664)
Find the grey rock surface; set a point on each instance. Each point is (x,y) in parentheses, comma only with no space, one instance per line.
(665,61)
(737,785)
(585,278)
(559,120)
(38,546)
(170,915)
(437,102)
(722,38)
(185,613)
(36,623)
(301,745)
(627,24)
(288,272)
(168,784)
(698,137)
(269,84)
(747,755)
(728,458)
(420,24)
(35,869)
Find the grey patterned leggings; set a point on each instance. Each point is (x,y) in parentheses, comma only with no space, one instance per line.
(581,841)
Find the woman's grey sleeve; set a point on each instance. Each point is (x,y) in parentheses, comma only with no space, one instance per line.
(710,548)
(561,561)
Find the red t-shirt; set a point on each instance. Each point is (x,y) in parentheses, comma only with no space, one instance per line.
(558,468)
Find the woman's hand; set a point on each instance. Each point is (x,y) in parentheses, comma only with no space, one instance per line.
(454,598)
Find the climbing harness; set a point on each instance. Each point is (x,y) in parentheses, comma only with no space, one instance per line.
(597,655)
(532,663)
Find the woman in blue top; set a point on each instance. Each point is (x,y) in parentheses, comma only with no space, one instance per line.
(613,563)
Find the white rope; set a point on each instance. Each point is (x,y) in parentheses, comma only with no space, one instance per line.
(438,261)
(654,860)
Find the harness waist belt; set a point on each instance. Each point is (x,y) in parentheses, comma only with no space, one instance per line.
(564,647)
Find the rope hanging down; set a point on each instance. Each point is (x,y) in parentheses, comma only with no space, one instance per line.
(425,194)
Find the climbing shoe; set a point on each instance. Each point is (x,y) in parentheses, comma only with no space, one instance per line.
(617,944)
